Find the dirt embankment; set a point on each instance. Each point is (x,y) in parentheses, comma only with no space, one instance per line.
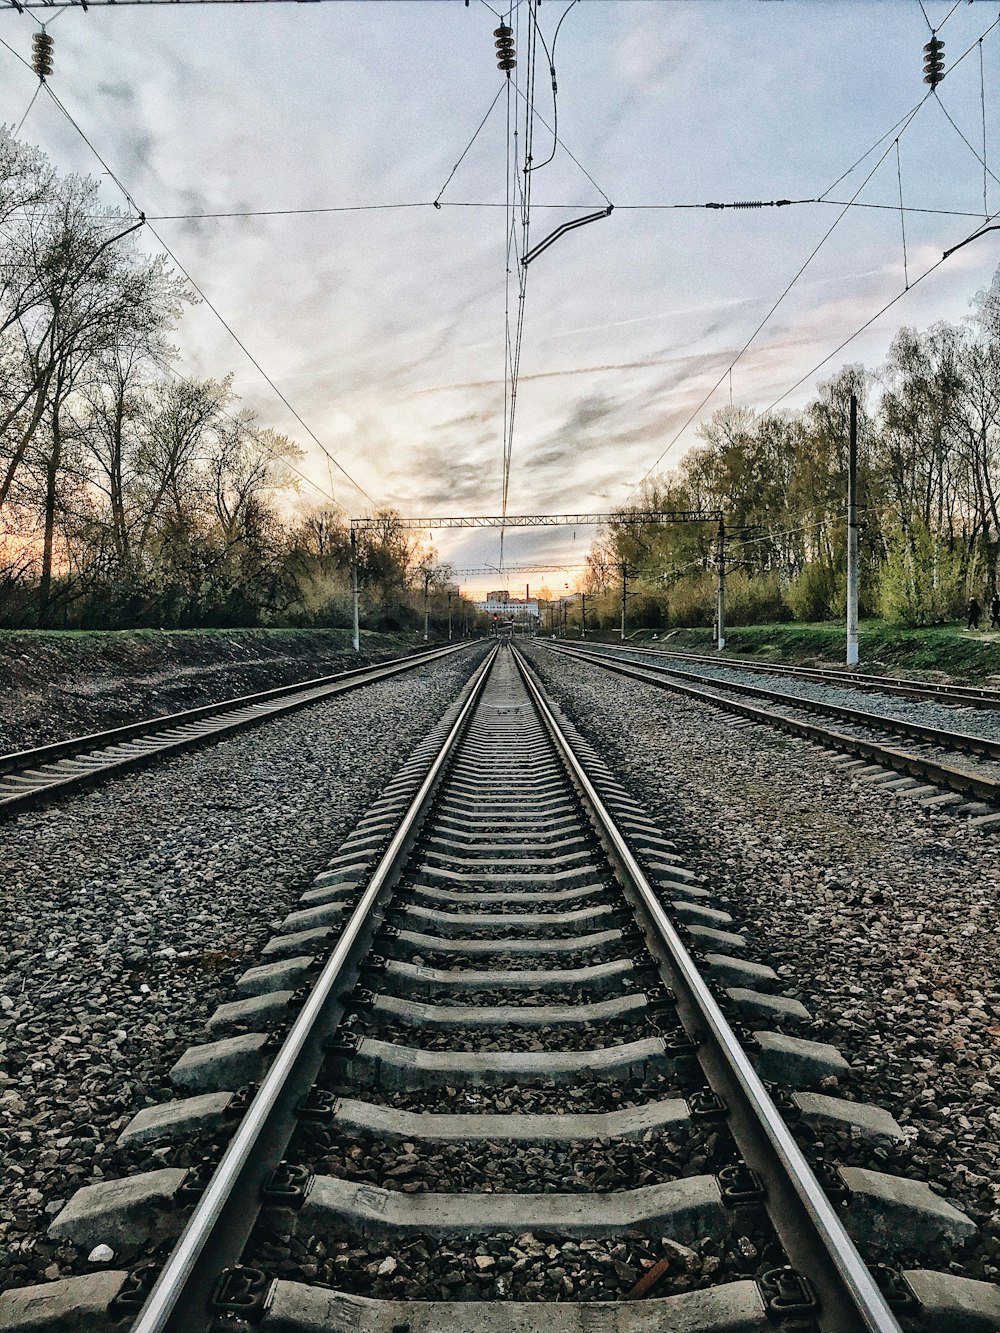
(54,685)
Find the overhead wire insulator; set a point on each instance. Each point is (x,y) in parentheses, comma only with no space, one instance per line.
(934,61)
(41,54)
(505,47)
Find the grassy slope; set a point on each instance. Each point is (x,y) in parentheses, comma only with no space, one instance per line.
(942,652)
(37,651)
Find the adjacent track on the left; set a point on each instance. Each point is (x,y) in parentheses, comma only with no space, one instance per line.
(32,777)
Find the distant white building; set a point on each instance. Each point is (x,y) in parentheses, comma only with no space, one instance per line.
(510,608)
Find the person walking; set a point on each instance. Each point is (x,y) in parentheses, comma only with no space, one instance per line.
(995,612)
(975,611)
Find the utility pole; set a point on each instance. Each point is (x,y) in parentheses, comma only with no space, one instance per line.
(427,583)
(720,614)
(852,538)
(354,591)
(624,595)
(449,615)
(564,617)
(583,615)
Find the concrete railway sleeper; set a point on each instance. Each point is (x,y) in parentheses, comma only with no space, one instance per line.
(31,777)
(919,771)
(479,1081)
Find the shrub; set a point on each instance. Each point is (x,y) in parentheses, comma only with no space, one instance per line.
(920,582)
(817,592)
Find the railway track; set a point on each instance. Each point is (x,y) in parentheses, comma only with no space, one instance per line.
(965,696)
(507,981)
(922,765)
(31,777)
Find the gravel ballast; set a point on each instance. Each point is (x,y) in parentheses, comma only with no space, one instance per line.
(129,910)
(878,915)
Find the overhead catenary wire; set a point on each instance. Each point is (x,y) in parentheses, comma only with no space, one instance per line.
(788,287)
(738,205)
(465,150)
(877,315)
(20,124)
(902,215)
(215,311)
(973,150)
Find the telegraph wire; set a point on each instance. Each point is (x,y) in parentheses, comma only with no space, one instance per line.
(218,315)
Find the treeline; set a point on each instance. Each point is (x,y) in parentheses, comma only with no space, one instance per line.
(929,497)
(132,494)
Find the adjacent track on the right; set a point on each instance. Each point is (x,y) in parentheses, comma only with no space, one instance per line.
(945,692)
(922,754)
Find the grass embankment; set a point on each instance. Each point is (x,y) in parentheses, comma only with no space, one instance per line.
(55,683)
(943,652)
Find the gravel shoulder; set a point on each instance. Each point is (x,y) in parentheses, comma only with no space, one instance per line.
(128,911)
(880,917)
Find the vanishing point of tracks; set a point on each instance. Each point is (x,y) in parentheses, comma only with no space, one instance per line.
(506,956)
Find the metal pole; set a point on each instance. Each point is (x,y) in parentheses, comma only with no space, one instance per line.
(449,615)
(583,615)
(852,538)
(354,592)
(720,625)
(427,579)
(624,596)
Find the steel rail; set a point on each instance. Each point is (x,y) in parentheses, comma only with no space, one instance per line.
(27,765)
(807,1223)
(971,696)
(962,741)
(187,1278)
(961,780)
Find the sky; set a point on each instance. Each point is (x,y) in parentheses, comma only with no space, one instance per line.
(384,328)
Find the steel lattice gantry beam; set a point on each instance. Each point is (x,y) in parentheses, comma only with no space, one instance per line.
(635,518)
(542,520)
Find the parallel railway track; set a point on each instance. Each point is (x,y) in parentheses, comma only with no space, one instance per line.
(966,696)
(926,757)
(30,777)
(505,930)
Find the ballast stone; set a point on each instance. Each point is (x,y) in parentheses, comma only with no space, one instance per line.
(734,1307)
(121,1212)
(71,1305)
